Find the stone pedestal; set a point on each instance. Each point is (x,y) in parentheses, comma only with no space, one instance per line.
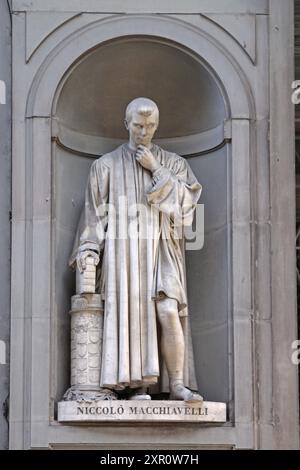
(145,411)
(86,347)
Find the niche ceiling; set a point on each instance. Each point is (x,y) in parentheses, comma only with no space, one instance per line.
(93,99)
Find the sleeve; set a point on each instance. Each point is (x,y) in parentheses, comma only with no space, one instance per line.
(175,191)
(92,225)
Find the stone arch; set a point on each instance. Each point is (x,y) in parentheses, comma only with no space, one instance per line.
(226,69)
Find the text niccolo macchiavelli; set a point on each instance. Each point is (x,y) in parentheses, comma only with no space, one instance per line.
(142,410)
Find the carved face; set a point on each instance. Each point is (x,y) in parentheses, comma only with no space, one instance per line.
(142,128)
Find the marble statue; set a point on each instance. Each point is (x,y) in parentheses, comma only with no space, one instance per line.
(130,239)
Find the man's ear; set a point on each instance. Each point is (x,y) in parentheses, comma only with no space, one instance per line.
(126,124)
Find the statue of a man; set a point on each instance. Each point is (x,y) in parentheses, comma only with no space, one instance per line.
(146,336)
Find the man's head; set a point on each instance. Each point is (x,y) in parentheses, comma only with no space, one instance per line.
(141,121)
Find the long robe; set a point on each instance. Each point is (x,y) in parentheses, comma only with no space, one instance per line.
(138,270)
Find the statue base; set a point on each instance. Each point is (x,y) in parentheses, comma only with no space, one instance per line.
(79,395)
(146,411)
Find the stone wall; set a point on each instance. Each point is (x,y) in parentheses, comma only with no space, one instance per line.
(5,207)
(232,39)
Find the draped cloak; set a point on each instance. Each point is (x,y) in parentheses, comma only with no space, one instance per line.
(134,220)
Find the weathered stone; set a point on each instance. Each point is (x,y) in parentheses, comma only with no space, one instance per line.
(141,411)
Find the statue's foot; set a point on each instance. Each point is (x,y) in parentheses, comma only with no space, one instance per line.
(140,394)
(180,392)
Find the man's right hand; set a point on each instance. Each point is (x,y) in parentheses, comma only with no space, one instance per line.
(81,259)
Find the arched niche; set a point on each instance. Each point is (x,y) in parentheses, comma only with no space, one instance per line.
(43,166)
(88,121)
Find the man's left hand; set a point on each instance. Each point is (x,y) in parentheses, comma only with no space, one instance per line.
(146,158)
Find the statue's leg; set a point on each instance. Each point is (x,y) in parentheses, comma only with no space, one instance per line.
(172,339)
(172,346)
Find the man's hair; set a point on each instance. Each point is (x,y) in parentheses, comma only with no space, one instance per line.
(143,106)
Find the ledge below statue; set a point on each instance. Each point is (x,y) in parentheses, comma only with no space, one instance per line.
(140,411)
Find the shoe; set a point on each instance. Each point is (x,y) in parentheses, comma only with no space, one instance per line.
(180,392)
(140,394)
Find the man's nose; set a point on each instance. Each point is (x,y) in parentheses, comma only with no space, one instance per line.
(144,131)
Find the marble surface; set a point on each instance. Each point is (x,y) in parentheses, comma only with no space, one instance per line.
(141,410)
